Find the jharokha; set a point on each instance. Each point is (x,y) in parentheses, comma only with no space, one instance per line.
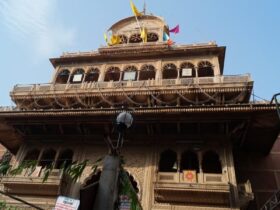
(197,141)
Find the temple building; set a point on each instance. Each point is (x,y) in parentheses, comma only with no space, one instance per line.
(197,141)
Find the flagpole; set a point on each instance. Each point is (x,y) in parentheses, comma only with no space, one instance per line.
(137,20)
(144,9)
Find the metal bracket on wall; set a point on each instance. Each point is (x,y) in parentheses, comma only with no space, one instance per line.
(274,98)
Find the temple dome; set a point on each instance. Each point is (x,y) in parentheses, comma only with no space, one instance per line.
(129,31)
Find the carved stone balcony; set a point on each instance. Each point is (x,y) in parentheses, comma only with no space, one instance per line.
(94,86)
(107,94)
(33,184)
(39,89)
(200,189)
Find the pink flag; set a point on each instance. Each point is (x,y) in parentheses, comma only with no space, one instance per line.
(175,30)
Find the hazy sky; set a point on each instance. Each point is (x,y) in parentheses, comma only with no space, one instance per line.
(32,31)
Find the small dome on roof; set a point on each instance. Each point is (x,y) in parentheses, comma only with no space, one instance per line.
(129,31)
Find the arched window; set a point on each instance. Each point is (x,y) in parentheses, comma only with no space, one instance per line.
(130,73)
(152,37)
(47,158)
(211,163)
(77,76)
(189,161)
(147,72)
(187,70)
(113,73)
(65,158)
(32,155)
(135,38)
(205,69)
(123,39)
(169,71)
(92,75)
(168,161)
(62,77)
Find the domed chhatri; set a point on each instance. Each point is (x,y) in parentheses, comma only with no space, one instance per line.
(129,31)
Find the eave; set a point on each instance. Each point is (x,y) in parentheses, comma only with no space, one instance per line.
(259,134)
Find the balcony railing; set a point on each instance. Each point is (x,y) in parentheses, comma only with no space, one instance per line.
(133,84)
(199,178)
(192,188)
(33,184)
(8,108)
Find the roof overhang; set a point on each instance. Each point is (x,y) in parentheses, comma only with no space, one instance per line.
(257,129)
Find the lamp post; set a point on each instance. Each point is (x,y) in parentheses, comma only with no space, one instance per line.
(107,194)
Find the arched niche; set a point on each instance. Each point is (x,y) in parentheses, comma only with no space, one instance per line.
(77,76)
(32,155)
(112,74)
(123,39)
(205,69)
(168,161)
(62,76)
(152,37)
(129,73)
(189,161)
(187,70)
(147,72)
(47,158)
(211,162)
(169,71)
(92,75)
(135,38)
(65,158)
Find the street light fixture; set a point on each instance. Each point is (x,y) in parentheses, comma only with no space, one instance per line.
(124,121)
(107,194)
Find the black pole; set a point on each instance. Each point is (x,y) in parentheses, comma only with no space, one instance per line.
(276,103)
(20,200)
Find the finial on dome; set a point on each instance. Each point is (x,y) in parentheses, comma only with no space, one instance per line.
(144,8)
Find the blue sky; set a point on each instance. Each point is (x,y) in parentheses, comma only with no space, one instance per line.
(32,31)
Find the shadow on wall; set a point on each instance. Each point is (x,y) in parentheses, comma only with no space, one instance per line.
(262,171)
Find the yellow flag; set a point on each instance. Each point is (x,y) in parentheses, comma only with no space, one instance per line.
(144,34)
(106,38)
(134,9)
(115,39)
